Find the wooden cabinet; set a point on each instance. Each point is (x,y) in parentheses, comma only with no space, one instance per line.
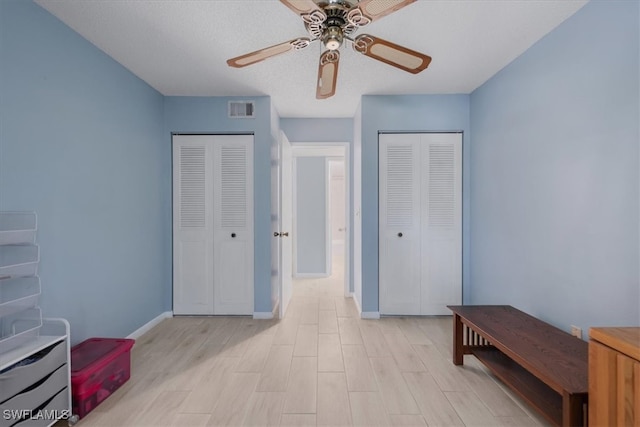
(614,376)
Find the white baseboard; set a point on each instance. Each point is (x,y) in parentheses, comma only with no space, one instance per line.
(370,315)
(149,325)
(355,300)
(263,315)
(310,275)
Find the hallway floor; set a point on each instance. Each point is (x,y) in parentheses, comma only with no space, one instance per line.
(320,365)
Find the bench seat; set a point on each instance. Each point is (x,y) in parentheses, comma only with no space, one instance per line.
(544,365)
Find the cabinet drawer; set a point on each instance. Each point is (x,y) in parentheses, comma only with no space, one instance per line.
(35,397)
(58,405)
(19,378)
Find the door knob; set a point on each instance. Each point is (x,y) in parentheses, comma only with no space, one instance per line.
(233,234)
(284,234)
(276,234)
(400,234)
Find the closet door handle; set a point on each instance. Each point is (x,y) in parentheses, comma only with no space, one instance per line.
(276,234)
(284,234)
(233,234)
(400,234)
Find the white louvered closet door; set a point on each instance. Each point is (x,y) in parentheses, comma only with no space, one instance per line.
(420,223)
(441,198)
(192,225)
(399,219)
(233,225)
(212,224)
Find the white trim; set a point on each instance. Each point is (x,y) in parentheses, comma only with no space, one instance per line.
(310,276)
(345,159)
(266,315)
(328,248)
(317,149)
(370,315)
(150,325)
(355,300)
(294,214)
(263,315)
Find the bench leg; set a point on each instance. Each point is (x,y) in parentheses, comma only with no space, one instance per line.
(572,411)
(458,352)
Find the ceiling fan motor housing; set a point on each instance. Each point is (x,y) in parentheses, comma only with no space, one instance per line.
(335,25)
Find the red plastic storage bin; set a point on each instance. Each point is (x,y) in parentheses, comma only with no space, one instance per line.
(99,366)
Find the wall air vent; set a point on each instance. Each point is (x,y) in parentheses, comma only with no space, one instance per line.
(241,109)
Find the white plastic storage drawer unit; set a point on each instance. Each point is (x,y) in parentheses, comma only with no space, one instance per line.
(35,379)
(35,374)
(37,396)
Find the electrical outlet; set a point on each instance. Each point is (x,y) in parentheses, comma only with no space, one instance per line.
(576,332)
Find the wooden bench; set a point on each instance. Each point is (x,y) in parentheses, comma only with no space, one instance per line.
(545,366)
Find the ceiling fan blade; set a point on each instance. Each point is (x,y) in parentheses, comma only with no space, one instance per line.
(268,52)
(307,9)
(391,53)
(327,74)
(376,9)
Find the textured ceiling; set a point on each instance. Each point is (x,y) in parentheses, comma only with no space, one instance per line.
(180,47)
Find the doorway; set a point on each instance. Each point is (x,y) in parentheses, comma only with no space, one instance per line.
(320,235)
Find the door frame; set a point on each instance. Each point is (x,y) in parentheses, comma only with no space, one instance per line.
(329,150)
(329,196)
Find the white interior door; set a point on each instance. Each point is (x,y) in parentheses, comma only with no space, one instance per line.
(399,224)
(420,223)
(213,224)
(286,223)
(192,225)
(233,224)
(441,200)
(276,220)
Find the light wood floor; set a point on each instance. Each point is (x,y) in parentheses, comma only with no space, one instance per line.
(320,365)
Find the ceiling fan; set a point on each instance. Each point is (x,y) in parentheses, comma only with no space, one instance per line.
(334,22)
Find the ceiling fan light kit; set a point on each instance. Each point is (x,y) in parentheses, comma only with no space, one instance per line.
(332,22)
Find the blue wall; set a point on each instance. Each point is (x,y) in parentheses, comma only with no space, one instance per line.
(405,113)
(555,184)
(317,130)
(209,115)
(81,144)
(311,216)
